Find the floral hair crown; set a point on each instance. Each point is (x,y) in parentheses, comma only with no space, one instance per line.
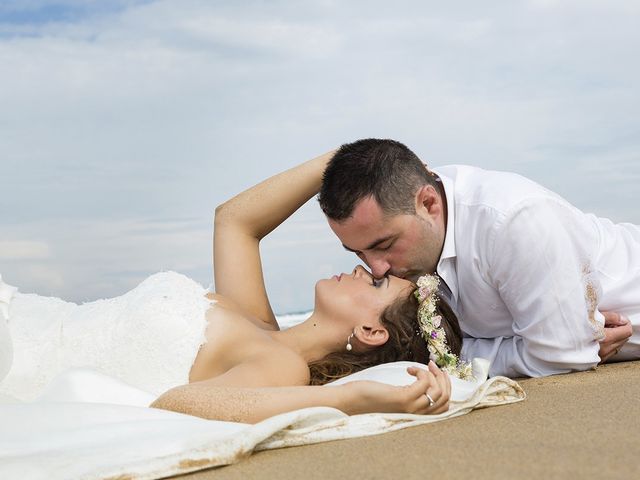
(432,331)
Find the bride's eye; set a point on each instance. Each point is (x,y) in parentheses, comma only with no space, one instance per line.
(376,283)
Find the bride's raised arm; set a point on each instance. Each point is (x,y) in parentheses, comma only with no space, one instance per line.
(242,221)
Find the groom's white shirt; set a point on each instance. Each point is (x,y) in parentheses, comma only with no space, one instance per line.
(528,273)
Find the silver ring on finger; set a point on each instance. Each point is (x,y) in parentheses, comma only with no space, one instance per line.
(431,402)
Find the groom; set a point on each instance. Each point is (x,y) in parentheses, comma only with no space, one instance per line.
(527,273)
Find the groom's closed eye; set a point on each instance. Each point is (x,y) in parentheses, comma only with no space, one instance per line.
(379,244)
(385,246)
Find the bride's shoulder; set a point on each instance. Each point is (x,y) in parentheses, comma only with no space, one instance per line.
(239,353)
(226,306)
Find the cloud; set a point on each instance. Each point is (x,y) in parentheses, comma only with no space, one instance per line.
(98,259)
(23,250)
(125,123)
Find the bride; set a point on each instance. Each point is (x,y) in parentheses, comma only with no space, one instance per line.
(245,368)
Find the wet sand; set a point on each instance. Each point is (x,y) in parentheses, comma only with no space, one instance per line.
(581,425)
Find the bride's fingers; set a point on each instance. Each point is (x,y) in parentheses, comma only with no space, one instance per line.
(423,378)
(415,371)
(424,381)
(426,394)
(433,368)
(446,392)
(429,394)
(445,384)
(439,376)
(434,383)
(448,384)
(442,377)
(441,388)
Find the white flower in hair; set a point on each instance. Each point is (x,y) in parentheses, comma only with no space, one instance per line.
(432,331)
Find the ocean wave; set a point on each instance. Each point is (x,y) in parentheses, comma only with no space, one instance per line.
(288,320)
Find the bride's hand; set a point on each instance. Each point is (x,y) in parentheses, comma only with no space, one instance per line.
(379,397)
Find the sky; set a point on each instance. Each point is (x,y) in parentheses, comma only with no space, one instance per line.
(123,124)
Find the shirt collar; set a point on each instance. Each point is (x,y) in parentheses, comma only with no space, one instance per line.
(446,268)
(449,247)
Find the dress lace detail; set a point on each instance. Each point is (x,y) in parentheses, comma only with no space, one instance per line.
(148,337)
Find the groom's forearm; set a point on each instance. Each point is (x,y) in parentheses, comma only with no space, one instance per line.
(261,208)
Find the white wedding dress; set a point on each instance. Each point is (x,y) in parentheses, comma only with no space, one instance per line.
(147,338)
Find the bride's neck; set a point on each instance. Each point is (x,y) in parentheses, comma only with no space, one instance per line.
(313,339)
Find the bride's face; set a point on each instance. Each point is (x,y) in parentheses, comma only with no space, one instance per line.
(352,296)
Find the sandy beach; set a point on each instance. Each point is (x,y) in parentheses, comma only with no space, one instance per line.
(583,425)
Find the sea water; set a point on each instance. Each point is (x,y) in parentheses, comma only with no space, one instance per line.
(288,320)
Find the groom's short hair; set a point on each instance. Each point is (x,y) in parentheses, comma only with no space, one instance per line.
(385,169)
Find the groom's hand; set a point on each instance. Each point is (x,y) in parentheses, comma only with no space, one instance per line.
(617,330)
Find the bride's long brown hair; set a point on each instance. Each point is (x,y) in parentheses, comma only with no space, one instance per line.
(405,342)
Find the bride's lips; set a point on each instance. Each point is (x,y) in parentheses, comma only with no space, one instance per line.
(337,277)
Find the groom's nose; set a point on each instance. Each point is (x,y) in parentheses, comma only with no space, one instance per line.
(379,266)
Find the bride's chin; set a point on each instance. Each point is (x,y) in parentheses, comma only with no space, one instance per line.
(322,283)
(322,292)
(317,289)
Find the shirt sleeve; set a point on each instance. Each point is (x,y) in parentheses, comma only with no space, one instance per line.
(542,274)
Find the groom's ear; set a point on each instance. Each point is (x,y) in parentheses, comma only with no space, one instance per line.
(428,200)
(372,336)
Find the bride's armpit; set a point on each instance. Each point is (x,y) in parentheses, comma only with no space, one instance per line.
(217,298)
(225,303)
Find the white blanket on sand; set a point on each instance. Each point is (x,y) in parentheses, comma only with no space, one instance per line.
(87,424)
